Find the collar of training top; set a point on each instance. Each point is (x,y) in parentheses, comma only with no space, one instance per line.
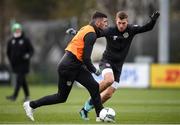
(97,30)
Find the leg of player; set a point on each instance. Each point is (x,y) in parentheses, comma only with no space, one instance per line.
(107,94)
(16,89)
(93,87)
(25,88)
(64,88)
(108,79)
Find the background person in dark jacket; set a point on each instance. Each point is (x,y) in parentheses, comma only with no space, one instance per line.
(19,52)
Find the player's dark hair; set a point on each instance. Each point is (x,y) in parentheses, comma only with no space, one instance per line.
(121,15)
(98,15)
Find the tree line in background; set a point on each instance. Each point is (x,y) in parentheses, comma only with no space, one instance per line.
(23,10)
(64,10)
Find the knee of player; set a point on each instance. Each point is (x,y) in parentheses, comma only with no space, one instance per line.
(61,99)
(108,95)
(109,80)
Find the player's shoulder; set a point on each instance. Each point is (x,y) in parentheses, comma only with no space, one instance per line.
(111,30)
(10,39)
(25,37)
(86,31)
(87,28)
(91,36)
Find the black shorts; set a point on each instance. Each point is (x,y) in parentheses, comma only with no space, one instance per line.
(116,67)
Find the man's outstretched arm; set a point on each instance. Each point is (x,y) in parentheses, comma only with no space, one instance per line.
(148,26)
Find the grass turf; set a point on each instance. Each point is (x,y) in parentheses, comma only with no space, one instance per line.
(132,106)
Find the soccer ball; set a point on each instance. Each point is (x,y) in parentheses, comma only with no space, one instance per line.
(107,115)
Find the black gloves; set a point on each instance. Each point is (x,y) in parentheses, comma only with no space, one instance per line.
(71,31)
(155,15)
(98,72)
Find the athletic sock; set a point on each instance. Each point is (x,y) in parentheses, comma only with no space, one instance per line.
(88,105)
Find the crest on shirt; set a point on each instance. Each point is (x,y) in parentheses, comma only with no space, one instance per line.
(107,64)
(126,35)
(115,37)
(21,42)
(135,25)
(13,41)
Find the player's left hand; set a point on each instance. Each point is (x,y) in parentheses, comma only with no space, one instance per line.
(98,72)
(155,15)
(71,31)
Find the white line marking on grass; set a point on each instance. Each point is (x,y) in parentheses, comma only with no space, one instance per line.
(86,124)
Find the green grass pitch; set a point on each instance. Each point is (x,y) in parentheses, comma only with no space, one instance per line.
(132,106)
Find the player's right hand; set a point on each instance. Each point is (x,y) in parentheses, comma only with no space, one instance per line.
(71,31)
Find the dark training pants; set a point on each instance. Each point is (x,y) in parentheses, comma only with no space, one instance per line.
(21,81)
(85,78)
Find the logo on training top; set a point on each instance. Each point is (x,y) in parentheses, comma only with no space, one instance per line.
(135,25)
(126,35)
(107,64)
(115,37)
(21,42)
(13,41)
(69,83)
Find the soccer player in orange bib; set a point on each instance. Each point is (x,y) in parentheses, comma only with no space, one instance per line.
(76,65)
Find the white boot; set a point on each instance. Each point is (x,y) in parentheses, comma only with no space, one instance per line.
(28,110)
(98,119)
